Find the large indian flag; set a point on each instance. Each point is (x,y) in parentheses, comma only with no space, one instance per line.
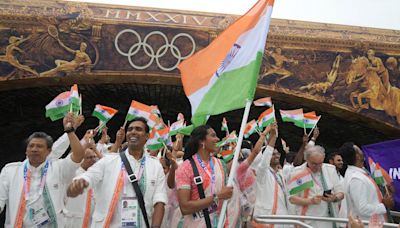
(224,75)
(300,182)
(59,106)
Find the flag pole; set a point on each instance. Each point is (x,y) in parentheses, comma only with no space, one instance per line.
(232,173)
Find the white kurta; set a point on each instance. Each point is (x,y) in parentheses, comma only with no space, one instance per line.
(361,195)
(265,188)
(333,183)
(59,175)
(75,207)
(103,176)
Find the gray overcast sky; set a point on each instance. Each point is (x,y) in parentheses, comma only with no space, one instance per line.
(366,13)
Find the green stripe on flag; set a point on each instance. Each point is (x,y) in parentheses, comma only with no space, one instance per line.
(301,187)
(100,116)
(230,91)
(156,146)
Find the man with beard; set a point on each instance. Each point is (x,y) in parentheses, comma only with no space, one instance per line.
(112,184)
(336,160)
(363,196)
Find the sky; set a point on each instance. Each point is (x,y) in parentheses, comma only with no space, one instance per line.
(366,13)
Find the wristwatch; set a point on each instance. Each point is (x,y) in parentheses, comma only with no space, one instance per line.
(69,130)
(215,198)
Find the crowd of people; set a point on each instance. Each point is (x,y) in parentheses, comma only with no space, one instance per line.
(123,184)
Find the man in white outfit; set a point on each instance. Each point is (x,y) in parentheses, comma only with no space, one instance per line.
(313,201)
(271,197)
(34,190)
(363,197)
(111,184)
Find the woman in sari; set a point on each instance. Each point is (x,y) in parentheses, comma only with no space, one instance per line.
(201,147)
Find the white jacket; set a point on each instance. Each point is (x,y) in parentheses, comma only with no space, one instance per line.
(333,183)
(265,187)
(361,195)
(103,176)
(60,174)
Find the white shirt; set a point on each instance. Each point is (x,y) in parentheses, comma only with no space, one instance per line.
(332,183)
(361,195)
(75,207)
(103,175)
(265,187)
(59,175)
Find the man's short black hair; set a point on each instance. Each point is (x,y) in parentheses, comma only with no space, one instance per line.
(41,135)
(348,153)
(332,155)
(144,121)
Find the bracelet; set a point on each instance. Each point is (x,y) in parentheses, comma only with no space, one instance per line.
(69,130)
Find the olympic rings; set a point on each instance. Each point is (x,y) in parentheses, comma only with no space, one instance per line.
(154,54)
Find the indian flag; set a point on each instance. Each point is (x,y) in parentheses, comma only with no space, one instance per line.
(138,109)
(174,129)
(103,113)
(296,116)
(231,138)
(153,143)
(377,171)
(309,121)
(266,118)
(224,126)
(163,135)
(224,75)
(226,155)
(300,182)
(251,128)
(266,101)
(75,98)
(378,175)
(59,106)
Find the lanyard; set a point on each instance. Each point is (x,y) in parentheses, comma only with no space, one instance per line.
(211,175)
(316,181)
(279,181)
(141,168)
(28,175)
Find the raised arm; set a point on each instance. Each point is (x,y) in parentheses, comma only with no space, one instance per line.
(267,155)
(76,147)
(119,139)
(299,159)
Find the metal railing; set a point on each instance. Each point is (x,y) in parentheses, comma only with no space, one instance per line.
(395,214)
(296,220)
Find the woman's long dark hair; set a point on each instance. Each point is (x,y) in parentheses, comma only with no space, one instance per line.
(192,146)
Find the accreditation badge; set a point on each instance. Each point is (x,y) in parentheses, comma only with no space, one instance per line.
(129,212)
(37,213)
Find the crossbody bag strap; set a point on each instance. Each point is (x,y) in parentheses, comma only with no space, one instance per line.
(198,180)
(134,181)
